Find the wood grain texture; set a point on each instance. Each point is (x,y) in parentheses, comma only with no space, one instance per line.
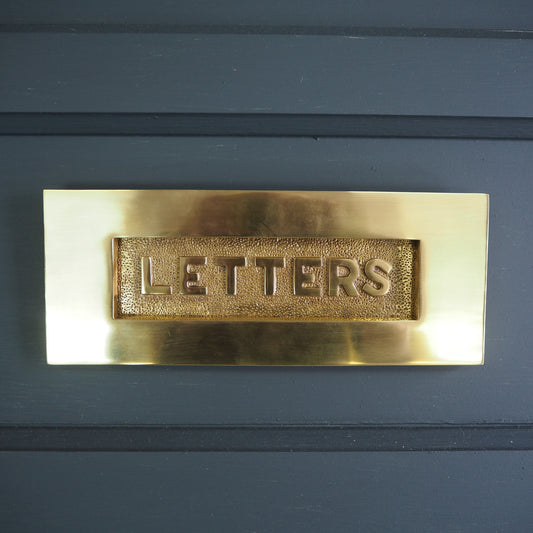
(267,492)
(210,73)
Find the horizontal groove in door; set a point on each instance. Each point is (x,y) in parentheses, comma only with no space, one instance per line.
(265,125)
(269,29)
(283,438)
(512,14)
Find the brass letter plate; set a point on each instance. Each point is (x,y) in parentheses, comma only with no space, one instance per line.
(264,277)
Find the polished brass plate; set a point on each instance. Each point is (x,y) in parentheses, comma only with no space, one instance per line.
(265,277)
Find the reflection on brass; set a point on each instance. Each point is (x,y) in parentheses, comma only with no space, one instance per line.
(250,282)
(265,277)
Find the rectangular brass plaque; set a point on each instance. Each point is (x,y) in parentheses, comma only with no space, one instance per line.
(265,277)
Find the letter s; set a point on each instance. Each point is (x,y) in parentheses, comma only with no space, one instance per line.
(376,277)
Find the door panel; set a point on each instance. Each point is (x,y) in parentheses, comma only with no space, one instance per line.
(267,492)
(405,96)
(316,74)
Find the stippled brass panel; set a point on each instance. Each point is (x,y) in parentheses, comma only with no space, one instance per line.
(235,278)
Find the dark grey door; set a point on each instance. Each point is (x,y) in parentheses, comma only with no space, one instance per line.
(412,96)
